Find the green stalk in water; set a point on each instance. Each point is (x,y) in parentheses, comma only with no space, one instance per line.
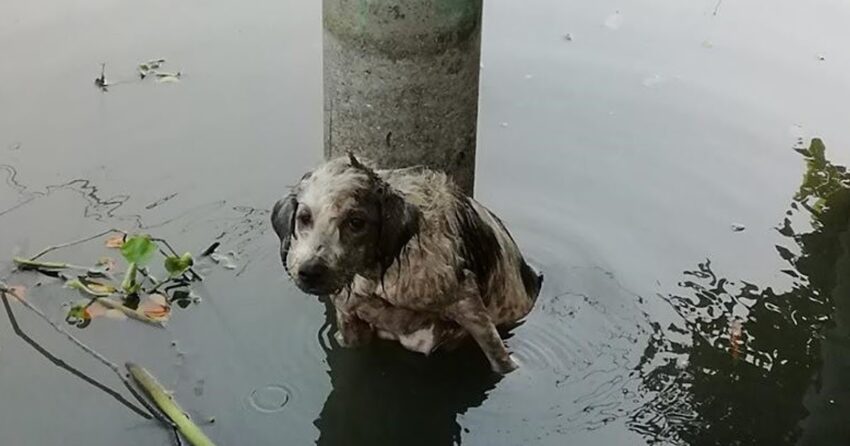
(129,284)
(166,403)
(23,263)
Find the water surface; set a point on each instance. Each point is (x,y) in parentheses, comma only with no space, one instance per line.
(626,159)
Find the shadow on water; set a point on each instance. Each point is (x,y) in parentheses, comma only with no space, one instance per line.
(753,365)
(388,396)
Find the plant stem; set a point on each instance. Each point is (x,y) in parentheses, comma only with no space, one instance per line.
(131,313)
(32,264)
(168,405)
(129,282)
(75,242)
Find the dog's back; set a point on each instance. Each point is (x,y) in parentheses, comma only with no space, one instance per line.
(461,233)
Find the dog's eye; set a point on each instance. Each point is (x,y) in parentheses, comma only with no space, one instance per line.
(356,224)
(304,219)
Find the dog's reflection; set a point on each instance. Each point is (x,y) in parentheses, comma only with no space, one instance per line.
(384,395)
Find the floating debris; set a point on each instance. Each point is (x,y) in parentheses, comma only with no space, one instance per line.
(100,81)
(150,67)
(116,241)
(147,69)
(528,76)
(568,37)
(737,227)
(225,261)
(503,124)
(821,57)
(707,44)
(211,249)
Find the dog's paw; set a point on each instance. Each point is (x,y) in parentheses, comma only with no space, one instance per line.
(505,366)
(352,339)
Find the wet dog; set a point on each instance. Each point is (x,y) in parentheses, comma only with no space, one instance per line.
(404,255)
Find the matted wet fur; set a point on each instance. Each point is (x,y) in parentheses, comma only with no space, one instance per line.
(404,255)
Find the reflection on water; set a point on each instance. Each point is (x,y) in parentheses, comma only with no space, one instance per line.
(395,397)
(753,365)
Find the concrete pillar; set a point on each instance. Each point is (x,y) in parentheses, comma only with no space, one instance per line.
(401,82)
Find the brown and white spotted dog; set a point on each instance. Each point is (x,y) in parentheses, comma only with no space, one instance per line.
(405,255)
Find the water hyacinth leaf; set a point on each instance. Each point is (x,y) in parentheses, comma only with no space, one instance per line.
(115,241)
(101,288)
(78,315)
(97,309)
(138,249)
(106,263)
(178,265)
(155,307)
(115,314)
(98,289)
(19,292)
(154,318)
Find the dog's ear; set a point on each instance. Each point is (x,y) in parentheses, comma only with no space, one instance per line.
(283,222)
(399,223)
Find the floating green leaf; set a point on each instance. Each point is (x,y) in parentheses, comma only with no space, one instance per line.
(78,316)
(178,265)
(138,249)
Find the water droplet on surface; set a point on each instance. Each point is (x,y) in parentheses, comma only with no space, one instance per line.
(654,80)
(614,21)
(503,124)
(269,399)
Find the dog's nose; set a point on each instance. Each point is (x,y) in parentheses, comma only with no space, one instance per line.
(312,272)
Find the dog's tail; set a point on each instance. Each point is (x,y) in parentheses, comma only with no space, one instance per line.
(531,280)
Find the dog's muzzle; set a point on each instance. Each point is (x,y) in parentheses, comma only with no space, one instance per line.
(314,277)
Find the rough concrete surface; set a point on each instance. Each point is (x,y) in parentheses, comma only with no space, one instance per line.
(401,82)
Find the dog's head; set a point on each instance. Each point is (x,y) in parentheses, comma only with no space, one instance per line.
(342,219)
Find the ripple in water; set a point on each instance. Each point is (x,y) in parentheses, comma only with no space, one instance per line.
(543,347)
(270,399)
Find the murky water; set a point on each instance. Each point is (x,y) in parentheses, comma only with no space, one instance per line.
(645,164)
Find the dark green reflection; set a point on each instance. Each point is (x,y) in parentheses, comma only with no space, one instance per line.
(753,366)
